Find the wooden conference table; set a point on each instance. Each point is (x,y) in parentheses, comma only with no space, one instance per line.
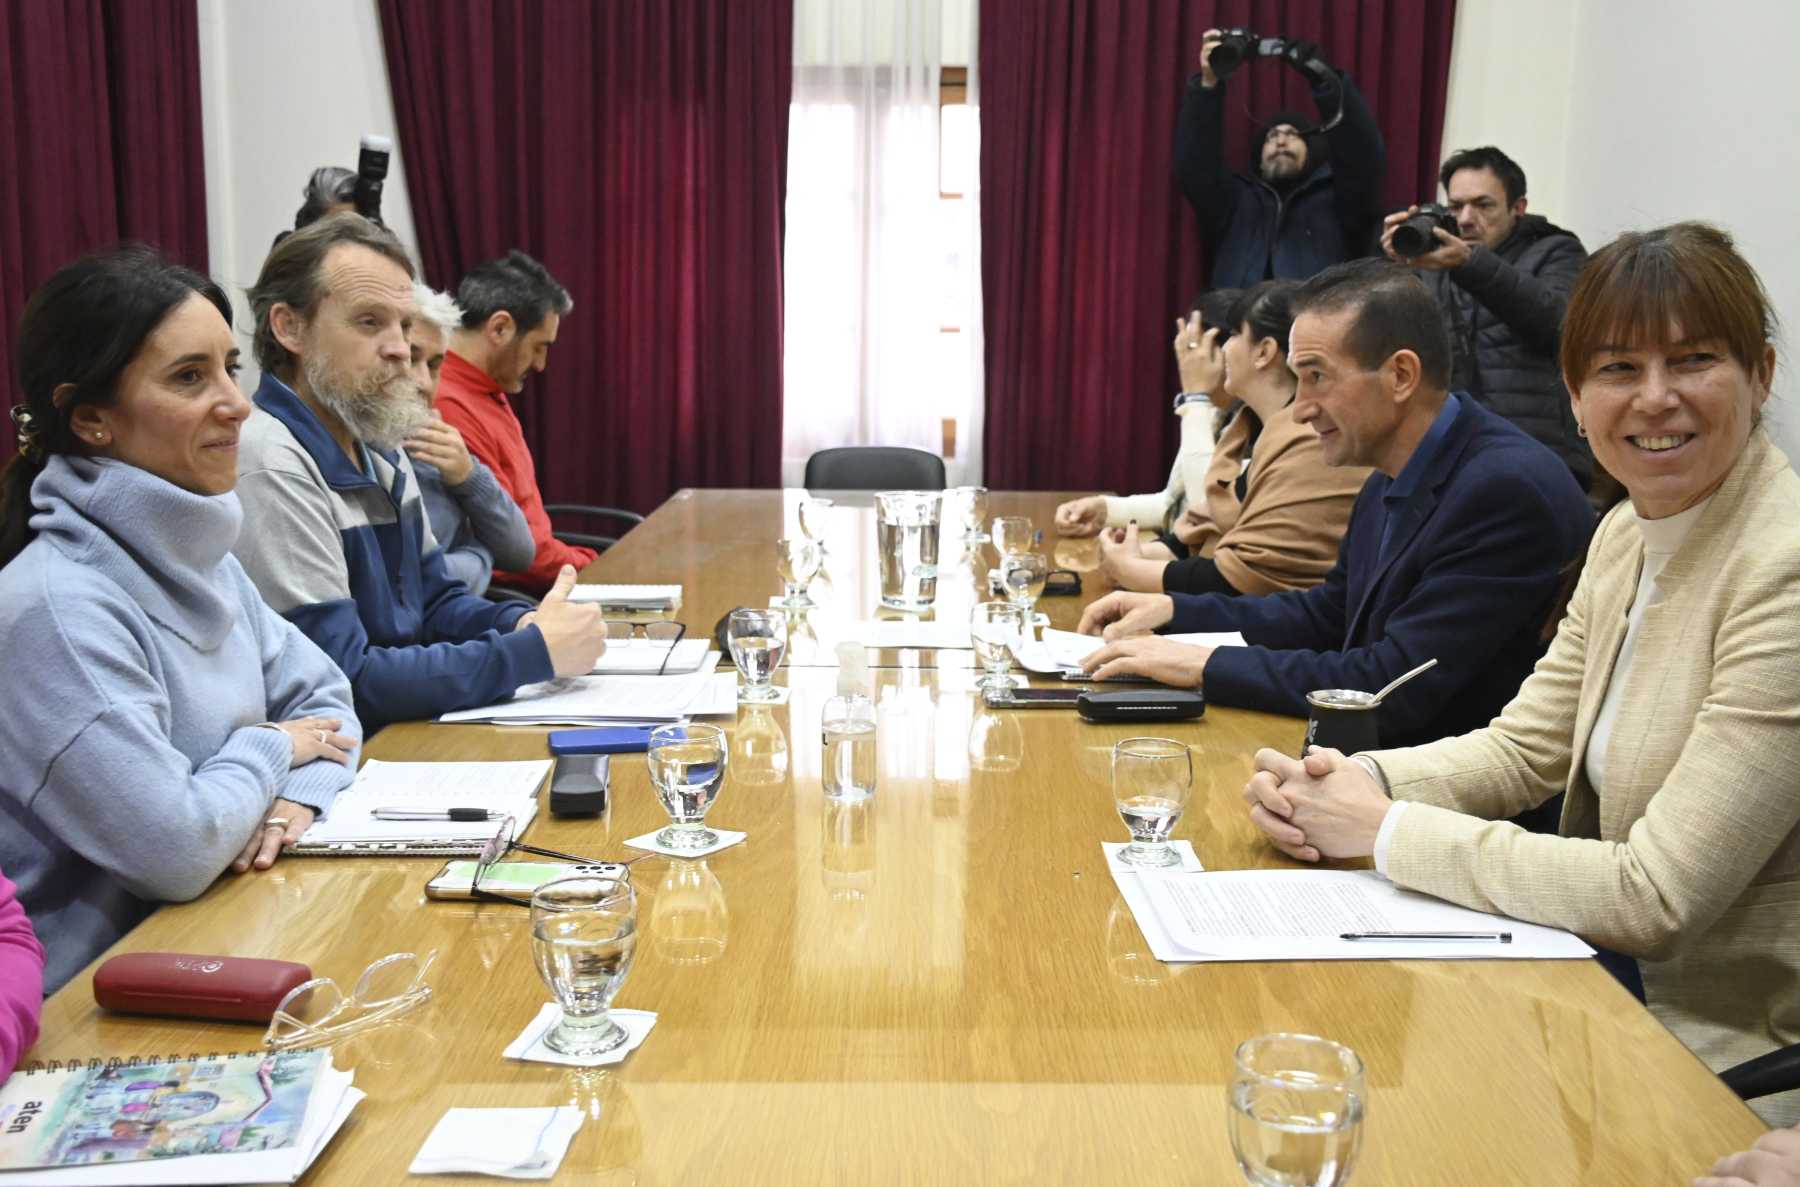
(938,985)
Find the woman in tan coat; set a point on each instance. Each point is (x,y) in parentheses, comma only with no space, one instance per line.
(1270,513)
(1668,706)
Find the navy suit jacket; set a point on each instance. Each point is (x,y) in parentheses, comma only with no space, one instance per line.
(1477,556)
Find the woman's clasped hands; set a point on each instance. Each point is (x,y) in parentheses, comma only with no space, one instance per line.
(1325,805)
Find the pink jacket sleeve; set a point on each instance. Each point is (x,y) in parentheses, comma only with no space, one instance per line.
(21,980)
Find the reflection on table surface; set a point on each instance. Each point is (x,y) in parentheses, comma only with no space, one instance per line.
(938,983)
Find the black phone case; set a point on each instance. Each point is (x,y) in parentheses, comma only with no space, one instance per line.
(579,784)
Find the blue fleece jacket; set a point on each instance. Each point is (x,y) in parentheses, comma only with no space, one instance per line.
(140,661)
(344,552)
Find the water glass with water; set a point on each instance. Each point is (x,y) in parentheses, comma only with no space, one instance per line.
(906,547)
(1023,574)
(972,502)
(848,730)
(1012,535)
(687,767)
(797,561)
(1296,1111)
(583,939)
(996,628)
(757,639)
(1152,780)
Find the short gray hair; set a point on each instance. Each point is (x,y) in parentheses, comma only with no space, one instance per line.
(439,309)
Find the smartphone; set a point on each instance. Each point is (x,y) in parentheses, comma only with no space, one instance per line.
(1030,698)
(508,877)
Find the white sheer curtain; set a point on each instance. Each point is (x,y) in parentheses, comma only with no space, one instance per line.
(873,259)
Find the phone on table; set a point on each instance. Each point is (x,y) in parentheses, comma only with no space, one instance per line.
(1030,698)
(510,877)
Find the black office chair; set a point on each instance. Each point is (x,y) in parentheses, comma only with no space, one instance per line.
(874,467)
(585,539)
(1778,1071)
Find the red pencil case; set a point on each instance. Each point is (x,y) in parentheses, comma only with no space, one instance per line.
(182,984)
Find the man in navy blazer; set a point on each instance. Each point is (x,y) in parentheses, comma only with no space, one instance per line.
(1456,548)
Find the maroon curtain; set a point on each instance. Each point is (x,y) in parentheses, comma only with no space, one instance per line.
(639,149)
(99,141)
(1089,249)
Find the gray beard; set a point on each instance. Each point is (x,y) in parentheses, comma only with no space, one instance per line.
(380,411)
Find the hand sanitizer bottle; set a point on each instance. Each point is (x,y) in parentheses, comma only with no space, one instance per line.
(848,726)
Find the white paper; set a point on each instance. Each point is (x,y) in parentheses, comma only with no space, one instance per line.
(644,657)
(922,633)
(332,1100)
(585,700)
(727,839)
(507,787)
(1211,638)
(1062,651)
(531,1048)
(1301,915)
(1190,861)
(629,597)
(509,1143)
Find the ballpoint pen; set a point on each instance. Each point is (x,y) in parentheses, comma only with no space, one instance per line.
(1498,937)
(470,814)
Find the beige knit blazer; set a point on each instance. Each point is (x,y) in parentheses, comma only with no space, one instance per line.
(1689,859)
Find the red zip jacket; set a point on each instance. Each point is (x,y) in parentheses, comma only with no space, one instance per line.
(469,399)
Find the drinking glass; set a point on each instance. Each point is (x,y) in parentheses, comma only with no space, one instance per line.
(813,513)
(1023,574)
(972,502)
(687,765)
(1152,779)
(906,547)
(797,560)
(1012,535)
(995,627)
(583,938)
(757,639)
(1296,1111)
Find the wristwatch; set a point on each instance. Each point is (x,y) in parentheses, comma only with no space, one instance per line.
(1185,398)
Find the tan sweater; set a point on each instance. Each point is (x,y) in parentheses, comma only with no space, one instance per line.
(1284,533)
(1689,857)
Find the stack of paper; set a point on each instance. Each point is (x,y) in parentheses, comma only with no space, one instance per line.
(251,1118)
(613,700)
(646,657)
(1061,652)
(631,599)
(500,788)
(1308,915)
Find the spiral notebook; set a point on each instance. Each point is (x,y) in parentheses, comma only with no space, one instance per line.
(253,1117)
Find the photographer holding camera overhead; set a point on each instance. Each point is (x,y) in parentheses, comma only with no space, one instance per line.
(1502,278)
(1315,196)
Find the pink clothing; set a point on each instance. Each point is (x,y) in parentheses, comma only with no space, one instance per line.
(21,980)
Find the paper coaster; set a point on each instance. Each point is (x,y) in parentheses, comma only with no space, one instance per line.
(727,839)
(509,1143)
(1190,861)
(530,1046)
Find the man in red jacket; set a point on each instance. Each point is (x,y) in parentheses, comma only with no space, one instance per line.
(511,310)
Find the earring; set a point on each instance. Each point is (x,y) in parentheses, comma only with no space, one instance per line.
(102,436)
(1581,430)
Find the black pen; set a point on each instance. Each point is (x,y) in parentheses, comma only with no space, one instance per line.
(1499,937)
(469,814)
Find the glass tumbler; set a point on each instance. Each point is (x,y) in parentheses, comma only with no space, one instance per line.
(1296,1111)
(583,938)
(1152,780)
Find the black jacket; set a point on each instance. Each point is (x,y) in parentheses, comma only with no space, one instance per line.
(1505,310)
(1252,230)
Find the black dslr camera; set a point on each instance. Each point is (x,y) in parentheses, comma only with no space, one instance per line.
(1235,45)
(1413,237)
(371,174)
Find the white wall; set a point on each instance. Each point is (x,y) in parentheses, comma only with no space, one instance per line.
(1627,114)
(286,87)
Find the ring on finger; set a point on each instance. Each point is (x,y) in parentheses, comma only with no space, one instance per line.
(276,822)
(323,736)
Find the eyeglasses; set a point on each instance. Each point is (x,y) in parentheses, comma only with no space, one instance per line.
(317,1012)
(662,633)
(503,843)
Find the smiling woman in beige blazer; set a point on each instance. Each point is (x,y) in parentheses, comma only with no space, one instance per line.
(1668,706)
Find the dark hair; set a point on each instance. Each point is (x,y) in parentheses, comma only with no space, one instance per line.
(1688,274)
(329,185)
(293,275)
(1214,307)
(516,285)
(1394,312)
(1512,178)
(1268,309)
(83,326)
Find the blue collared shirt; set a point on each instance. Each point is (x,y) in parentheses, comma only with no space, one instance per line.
(1406,483)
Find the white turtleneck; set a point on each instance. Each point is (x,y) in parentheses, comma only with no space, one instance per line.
(1662,540)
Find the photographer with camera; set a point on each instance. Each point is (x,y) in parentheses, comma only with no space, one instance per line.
(1502,278)
(1315,195)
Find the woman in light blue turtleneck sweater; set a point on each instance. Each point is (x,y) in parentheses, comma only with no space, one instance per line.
(159,723)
